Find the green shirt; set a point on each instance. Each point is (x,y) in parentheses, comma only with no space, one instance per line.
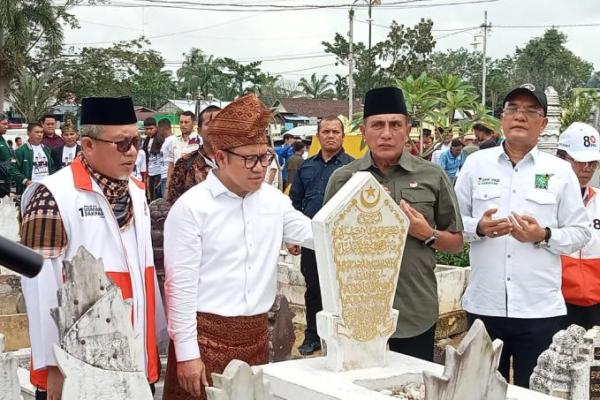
(426,188)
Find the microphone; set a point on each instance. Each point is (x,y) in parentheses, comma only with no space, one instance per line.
(19,258)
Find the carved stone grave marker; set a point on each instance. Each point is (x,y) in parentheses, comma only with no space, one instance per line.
(239,382)
(359,242)
(471,371)
(100,355)
(9,381)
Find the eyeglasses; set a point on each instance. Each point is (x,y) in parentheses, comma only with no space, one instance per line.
(582,164)
(251,161)
(529,112)
(124,145)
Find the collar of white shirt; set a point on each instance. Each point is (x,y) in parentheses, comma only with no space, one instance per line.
(503,155)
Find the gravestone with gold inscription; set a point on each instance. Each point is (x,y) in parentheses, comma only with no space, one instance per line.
(359,242)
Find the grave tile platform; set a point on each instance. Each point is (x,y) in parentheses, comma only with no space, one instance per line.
(309,379)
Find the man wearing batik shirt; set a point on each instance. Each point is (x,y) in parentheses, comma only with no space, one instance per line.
(92,203)
(181,146)
(189,171)
(222,241)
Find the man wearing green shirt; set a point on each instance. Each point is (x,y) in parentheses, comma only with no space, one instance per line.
(8,169)
(425,194)
(34,160)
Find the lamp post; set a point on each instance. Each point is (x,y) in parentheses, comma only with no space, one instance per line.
(370,4)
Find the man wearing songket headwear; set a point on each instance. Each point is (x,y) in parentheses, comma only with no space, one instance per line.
(222,241)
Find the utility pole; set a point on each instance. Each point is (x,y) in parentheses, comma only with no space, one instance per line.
(485,27)
(350,65)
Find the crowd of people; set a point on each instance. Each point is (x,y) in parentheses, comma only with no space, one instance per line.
(532,220)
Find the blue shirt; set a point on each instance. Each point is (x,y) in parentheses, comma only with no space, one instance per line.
(450,163)
(311,181)
(283,154)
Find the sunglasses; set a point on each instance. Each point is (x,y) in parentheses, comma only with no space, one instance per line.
(124,145)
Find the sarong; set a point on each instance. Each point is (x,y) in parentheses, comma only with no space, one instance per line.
(221,339)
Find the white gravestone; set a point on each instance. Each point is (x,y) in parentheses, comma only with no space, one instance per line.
(359,242)
(9,381)
(239,382)
(100,355)
(471,371)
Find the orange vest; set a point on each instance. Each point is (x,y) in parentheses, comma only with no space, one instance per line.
(76,193)
(581,270)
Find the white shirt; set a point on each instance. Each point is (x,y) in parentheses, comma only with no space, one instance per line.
(435,156)
(164,150)
(221,254)
(510,278)
(140,165)
(155,162)
(176,146)
(68,155)
(40,163)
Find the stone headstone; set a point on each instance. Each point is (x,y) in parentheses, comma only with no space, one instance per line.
(548,140)
(100,355)
(9,381)
(281,330)
(9,226)
(553,374)
(159,209)
(471,371)
(586,370)
(239,382)
(359,242)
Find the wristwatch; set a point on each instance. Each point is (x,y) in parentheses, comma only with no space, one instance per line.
(430,241)
(547,236)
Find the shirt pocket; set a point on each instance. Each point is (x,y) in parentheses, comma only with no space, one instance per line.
(541,205)
(484,199)
(421,200)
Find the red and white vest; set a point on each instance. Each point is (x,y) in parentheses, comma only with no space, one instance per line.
(127,256)
(581,270)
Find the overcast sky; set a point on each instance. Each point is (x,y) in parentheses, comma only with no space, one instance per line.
(248,36)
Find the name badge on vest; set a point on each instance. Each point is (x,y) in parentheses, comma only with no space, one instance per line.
(91,211)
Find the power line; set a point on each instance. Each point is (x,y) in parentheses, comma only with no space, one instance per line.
(303,69)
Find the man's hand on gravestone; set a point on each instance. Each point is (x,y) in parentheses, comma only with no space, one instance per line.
(55,383)
(493,228)
(293,249)
(526,229)
(192,376)
(419,228)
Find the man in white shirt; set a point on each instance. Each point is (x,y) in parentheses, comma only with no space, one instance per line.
(181,146)
(163,141)
(139,169)
(521,210)
(63,156)
(222,241)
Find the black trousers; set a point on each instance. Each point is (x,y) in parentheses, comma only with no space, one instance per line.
(154,187)
(312,295)
(420,346)
(524,340)
(584,316)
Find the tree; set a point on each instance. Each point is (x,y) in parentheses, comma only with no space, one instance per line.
(578,106)
(243,78)
(594,81)
(33,94)
(28,28)
(341,86)
(545,61)
(126,68)
(316,88)
(200,74)
(407,50)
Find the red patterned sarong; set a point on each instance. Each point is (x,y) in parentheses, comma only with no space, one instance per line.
(221,340)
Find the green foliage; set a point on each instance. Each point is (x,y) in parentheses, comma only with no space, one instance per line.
(316,88)
(406,51)
(545,61)
(457,260)
(578,106)
(35,93)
